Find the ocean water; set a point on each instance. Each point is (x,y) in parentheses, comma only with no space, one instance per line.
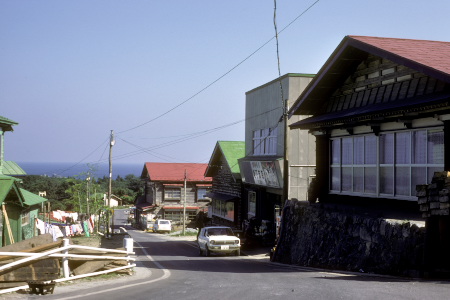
(60,169)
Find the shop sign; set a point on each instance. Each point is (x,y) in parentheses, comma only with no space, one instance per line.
(265,173)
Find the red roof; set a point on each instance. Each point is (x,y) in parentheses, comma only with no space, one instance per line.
(431,58)
(433,54)
(176,172)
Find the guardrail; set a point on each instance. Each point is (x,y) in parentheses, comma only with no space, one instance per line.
(29,257)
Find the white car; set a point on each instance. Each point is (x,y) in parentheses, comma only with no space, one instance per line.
(218,239)
(162,226)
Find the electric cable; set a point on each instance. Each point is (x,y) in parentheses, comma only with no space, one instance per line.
(223,75)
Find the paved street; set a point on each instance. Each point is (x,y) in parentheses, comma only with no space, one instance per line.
(171,268)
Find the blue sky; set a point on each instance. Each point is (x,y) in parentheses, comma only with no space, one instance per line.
(71,71)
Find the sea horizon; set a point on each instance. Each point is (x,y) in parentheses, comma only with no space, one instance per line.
(68,169)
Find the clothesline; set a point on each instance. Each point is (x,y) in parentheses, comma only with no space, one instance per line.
(59,231)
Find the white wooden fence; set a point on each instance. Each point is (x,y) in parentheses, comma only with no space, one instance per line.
(63,253)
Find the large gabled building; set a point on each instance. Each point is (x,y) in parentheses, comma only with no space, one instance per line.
(165,195)
(379,110)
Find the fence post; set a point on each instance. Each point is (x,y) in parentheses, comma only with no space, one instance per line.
(128,245)
(65,260)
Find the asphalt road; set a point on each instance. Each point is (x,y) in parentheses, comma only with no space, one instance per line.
(171,268)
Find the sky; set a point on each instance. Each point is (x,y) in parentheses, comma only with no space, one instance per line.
(169,77)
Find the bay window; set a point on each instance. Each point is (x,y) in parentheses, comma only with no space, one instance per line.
(389,165)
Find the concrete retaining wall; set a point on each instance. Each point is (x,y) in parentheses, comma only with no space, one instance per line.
(317,237)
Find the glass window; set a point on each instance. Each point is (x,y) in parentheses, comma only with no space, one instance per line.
(265,141)
(336,151)
(358,179)
(387,180)
(388,164)
(347,151)
(252,203)
(403,148)
(436,147)
(419,150)
(358,152)
(370,180)
(387,148)
(172,193)
(347,179)
(201,193)
(370,146)
(418,176)
(402,181)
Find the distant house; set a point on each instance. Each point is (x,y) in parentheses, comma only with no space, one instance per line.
(380,110)
(226,189)
(114,201)
(165,195)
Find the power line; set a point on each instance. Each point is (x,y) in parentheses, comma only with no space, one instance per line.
(223,75)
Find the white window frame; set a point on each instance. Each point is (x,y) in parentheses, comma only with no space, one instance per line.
(348,172)
(168,191)
(265,141)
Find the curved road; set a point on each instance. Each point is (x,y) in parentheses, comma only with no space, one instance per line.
(171,268)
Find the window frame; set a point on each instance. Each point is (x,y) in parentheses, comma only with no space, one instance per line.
(395,176)
(265,141)
(168,189)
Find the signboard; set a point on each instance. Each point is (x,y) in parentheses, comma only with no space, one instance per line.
(265,173)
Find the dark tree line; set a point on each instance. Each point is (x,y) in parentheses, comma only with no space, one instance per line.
(82,193)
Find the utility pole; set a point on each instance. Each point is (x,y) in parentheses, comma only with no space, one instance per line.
(111,144)
(286,155)
(88,179)
(184,205)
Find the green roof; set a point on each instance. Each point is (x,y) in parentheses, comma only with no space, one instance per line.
(232,151)
(30,198)
(6,124)
(6,184)
(11,168)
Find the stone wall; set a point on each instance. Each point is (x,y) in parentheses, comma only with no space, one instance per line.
(317,237)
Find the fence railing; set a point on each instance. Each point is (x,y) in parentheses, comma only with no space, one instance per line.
(63,253)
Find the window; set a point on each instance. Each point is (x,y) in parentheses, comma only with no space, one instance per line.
(388,165)
(265,141)
(25,218)
(223,209)
(176,216)
(172,193)
(251,204)
(201,194)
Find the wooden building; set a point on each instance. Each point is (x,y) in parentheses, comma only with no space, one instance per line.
(379,108)
(380,111)
(165,196)
(226,190)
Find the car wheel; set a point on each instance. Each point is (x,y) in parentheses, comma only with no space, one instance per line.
(207,252)
(237,252)
(200,251)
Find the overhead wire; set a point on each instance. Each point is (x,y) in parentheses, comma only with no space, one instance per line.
(212,83)
(223,75)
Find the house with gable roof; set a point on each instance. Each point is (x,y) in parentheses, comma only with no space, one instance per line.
(19,207)
(223,168)
(379,109)
(165,195)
